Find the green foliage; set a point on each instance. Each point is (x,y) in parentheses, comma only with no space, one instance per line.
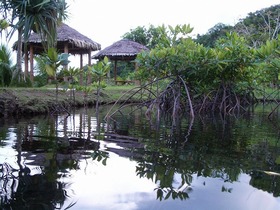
(124,69)
(85,89)
(101,68)
(257,27)
(260,26)
(100,71)
(51,61)
(269,62)
(41,78)
(140,34)
(160,35)
(6,66)
(100,156)
(72,73)
(40,16)
(3,25)
(220,76)
(218,31)
(234,58)
(19,80)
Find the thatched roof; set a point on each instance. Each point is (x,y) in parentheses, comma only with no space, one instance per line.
(77,42)
(121,50)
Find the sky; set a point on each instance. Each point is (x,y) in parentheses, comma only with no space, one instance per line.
(106,21)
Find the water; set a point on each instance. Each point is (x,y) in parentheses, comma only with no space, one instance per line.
(127,162)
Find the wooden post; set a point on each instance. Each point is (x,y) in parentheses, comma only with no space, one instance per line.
(89,57)
(81,67)
(66,50)
(115,71)
(31,63)
(26,64)
(65,67)
(136,82)
(89,78)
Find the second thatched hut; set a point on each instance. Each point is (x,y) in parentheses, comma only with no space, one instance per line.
(122,50)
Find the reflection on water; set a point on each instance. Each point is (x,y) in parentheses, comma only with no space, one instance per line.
(82,161)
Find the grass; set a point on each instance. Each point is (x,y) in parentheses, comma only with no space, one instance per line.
(38,100)
(41,100)
(268,94)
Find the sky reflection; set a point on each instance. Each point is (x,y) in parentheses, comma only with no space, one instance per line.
(114,186)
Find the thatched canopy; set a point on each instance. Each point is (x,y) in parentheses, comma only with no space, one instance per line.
(121,50)
(77,42)
(68,41)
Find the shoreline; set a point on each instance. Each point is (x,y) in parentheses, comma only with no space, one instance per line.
(32,101)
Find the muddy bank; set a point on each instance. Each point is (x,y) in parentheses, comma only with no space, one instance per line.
(25,101)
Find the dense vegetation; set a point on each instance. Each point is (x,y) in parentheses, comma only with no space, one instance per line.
(222,70)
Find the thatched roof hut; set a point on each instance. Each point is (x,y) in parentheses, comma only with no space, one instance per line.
(69,41)
(76,42)
(123,50)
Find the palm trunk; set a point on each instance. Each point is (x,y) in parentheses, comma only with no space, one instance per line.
(19,53)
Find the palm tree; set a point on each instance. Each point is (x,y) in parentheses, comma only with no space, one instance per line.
(3,26)
(40,16)
(6,66)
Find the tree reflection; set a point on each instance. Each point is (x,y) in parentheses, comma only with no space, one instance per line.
(169,153)
(215,148)
(21,190)
(43,159)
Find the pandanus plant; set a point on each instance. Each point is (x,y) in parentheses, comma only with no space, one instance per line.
(100,71)
(52,62)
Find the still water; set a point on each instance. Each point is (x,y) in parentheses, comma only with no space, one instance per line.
(84,161)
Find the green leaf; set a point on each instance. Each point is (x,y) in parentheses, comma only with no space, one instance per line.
(104,161)
(106,60)
(277,161)
(63,58)
(159,194)
(50,70)
(168,195)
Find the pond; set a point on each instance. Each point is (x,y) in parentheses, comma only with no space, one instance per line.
(84,161)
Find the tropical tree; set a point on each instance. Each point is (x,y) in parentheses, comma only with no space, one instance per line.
(40,16)
(260,26)
(138,34)
(268,55)
(233,74)
(153,36)
(198,78)
(218,31)
(6,66)
(3,26)
(72,74)
(100,71)
(169,62)
(52,62)
(257,27)
(268,74)
(42,76)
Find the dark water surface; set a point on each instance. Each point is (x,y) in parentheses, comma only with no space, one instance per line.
(130,163)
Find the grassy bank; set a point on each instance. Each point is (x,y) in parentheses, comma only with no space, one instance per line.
(26,101)
(30,101)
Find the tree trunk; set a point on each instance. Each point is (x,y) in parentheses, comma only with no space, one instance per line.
(19,51)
